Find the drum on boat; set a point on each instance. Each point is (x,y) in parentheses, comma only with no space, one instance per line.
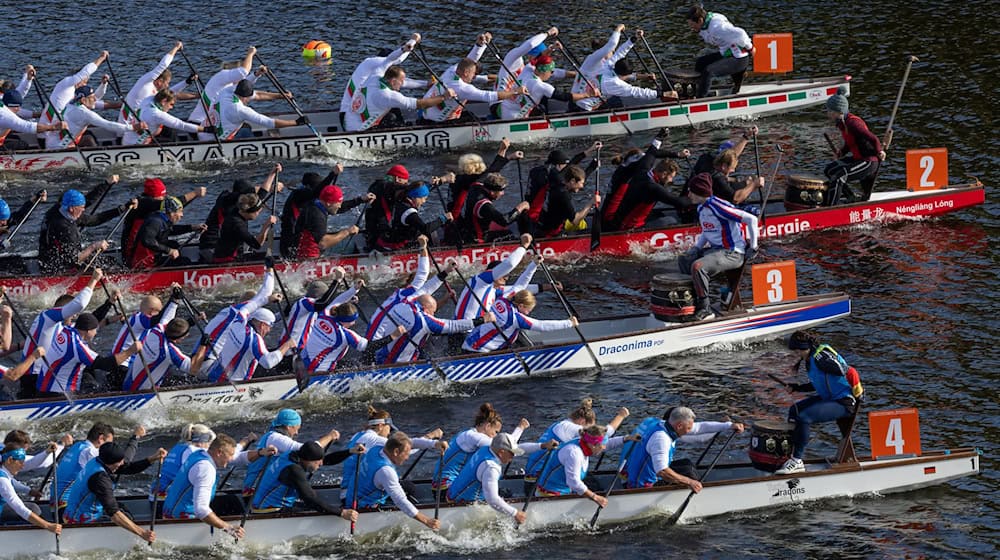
(671,298)
(770,444)
(803,192)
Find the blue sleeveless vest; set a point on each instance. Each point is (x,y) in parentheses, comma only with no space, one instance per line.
(466,487)
(553,478)
(180,496)
(171,466)
(66,471)
(272,493)
(536,458)
(253,469)
(640,468)
(82,505)
(347,479)
(368,494)
(454,459)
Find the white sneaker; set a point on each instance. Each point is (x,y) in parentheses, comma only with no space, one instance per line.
(792,465)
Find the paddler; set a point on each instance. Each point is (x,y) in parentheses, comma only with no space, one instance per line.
(59,237)
(310,227)
(161,351)
(535,100)
(378,479)
(733,44)
(12,121)
(154,111)
(236,243)
(512,318)
(12,508)
(463,446)
(156,80)
(460,77)
(615,87)
(838,393)
(471,169)
(231,74)
(479,220)
(225,204)
(331,336)
(514,61)
(485,285)
(69,353)
(728,189)
(250,302)
(233,108)
(243,348)
(859,157)
(378,95)
(303,312)
(720,246)
(281,437)
(79,116)
(286,480)
(407,223)
(79,454)
(155,247)
(647,183)
(548,176)
(154,191)
(376,66)
(651,459)
(92,496)
(378,216)
(559,208)
(8,218)
(417,317)
(564,430)
(139,322)
(61,95)
(479,478)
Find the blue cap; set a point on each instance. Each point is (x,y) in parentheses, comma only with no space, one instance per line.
(73,198)
(727,145)
(83,91)
(537,50)
(13,98)
(287,417)
(4,210)
(420,191)
(17,454)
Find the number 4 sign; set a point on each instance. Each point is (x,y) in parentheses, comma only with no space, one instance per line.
(774,53)
(894,432)
(927,169)
(774,282)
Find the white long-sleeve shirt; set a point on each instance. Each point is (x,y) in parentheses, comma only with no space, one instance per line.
(372,101)
(371,66)
(466,92)
(520,106)
(242,349)
(419,326)
(387,480)
(10,120)
(159,353)
(723,35)
(45,324)
(596,67)
(487,337)
(223,318)
(60,96)
(155,118)
(144,87)
(482,286)
(233,113)
(303,314)
(721,226)
(78,118)
(371,440)
(658,444)
(213,86)
(514,61)
(573,460)
(381,325)
(202,477)
(40,461)
(10,497)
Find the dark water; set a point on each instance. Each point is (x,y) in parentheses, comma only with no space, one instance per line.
(924,327)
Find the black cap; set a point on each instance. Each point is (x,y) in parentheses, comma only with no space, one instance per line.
(311,452)
(311,179)
(86,322)
(244,88)
(110,453)
(242,186)
(623,68)
(557,157)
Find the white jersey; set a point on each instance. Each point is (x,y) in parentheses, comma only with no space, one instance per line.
(139,323)
(451,108)
(60,96)
(372,66)
(240,311)
(380,325)
(486,337)
(372,101)
(155,118)
(718,32)
(78,118)
(520,106)
(233,113)
(144,89)
(160,355)
(515,62)
(11,121)
(722,226)
(482,285)
(303,314)
(419,326)
(46,323)
(242,349)
(327,344)
(213,86)
(598,70)
(68,355)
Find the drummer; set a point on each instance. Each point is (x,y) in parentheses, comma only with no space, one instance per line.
(858,159)
(838,392)
(652,459)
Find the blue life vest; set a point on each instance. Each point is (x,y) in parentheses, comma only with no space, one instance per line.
(180,495)
(454,459)
(466,487)
(828,387)
(171,466)
(368,494)
(4,474)
(553,479)
(253,469)
(347,479)
(536,458)
(272,493)
(66,471)
(639,467)
(82,505)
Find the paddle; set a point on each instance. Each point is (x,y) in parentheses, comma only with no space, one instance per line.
(887,139)
(117,303)
(520,178)
(284,93)
(756,159)
(437,478)
(770,183)
(531,494)
(482,306)
(51,471)
(437,78)
(513,76)
(55,507)
(596,223)
(832,144)
(409,339)
(621,469)
(44,98)
(414,464)
(566,306)
(203,99)
(576,66)
(779,380)
(156,496)
(107,238)
(354,497)
(130,111)
(248,503)
(26,334)
(680,511)
(6,242)
(711,442)
(666,79)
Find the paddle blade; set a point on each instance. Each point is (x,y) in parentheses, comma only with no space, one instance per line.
(595,231)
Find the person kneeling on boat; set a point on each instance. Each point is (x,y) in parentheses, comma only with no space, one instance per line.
(733,44)
(378,480)
(512,317)
(379,95)
(720,246)
(191,493)
(92,495)
(70,353)
(464,445)
(284,428)
(480,478)
(154,247)
(161,352)
(417,317)
(376,430)
(565,473)
(838,393)
(243,348)
(858,159)
(285,481)
(12,508)
(652,459)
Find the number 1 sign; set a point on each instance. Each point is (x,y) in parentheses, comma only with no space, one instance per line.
(773,53)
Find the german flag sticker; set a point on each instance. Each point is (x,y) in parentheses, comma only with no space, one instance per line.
(930,470)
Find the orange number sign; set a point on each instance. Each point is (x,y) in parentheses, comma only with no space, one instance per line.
(894,432)
(926,169)
(774,53)
(774,282)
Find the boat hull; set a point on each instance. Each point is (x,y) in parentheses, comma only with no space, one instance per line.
(641,338)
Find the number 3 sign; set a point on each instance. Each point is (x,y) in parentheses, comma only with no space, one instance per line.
(927,169)
(894,432)
(774,282)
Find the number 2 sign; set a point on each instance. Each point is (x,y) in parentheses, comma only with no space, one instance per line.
(774,53)
(894,432)
(926,169)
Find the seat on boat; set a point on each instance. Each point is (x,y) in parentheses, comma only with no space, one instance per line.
(845,450)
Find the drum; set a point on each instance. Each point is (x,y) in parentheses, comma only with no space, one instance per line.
(803,192)
(671,298)
(770,444)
